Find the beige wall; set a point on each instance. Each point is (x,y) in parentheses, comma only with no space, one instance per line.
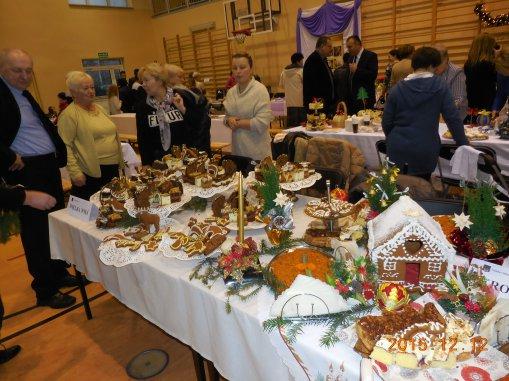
(59,36)
(271,52)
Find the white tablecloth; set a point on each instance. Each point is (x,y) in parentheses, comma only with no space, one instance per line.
(366,143)
(159,289)
(126,123)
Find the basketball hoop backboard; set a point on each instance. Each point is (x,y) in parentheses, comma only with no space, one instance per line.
(258,16)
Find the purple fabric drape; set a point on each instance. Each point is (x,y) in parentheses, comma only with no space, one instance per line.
(329,19)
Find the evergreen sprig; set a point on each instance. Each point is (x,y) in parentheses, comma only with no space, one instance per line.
(9,225)
(383,191)
(286,243)
(269,188)
(485,224)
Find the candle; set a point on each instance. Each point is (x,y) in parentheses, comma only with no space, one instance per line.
(327,183)
(240,212)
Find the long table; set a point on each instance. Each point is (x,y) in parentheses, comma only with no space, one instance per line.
(159,289)
(366,143)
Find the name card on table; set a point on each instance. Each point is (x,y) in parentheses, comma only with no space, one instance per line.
(496,275)
(82,209)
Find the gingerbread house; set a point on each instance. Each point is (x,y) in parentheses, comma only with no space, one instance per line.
(408,246)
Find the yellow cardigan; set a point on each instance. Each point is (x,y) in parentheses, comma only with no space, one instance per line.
(81,153)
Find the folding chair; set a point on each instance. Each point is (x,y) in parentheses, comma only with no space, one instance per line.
(381,149)
(447,152)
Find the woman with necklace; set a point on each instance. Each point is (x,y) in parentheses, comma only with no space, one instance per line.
(248,112)
(93,146)
(412,113)
(163,118)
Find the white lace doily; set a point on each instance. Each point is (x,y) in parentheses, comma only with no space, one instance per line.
(250,226)
(194,190)
(182,255)
(294,185)
(114,256)
(162,211)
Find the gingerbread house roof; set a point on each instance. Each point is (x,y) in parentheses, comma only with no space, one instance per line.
(403,219)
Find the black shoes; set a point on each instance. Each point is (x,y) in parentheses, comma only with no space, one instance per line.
(58,300)
(68,281)
(9,353)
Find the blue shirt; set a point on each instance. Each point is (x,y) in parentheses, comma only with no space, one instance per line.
(31,139)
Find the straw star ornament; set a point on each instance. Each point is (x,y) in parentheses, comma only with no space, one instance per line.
(281,199)
(500,211)
(462,221)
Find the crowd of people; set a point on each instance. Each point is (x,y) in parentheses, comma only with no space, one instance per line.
(420,85)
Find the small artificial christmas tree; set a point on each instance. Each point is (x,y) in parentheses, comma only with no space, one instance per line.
(382,190)
(362,95)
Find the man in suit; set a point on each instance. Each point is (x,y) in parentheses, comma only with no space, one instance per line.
(318,81)
(31,152)
(363,69)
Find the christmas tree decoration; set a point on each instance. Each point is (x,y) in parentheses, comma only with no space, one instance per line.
(485,226)
(489,20)
(383,191)
(462,221)
(362,95)
(269,188)
(281,199)
(392,296)
(500,211)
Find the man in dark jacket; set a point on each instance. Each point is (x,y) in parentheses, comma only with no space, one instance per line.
(411,116)
(318,81)
(363,69)
(13,198)
(31,152)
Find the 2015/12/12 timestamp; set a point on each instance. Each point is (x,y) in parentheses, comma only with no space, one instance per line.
(478,344)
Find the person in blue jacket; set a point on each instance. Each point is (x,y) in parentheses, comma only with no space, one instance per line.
(412,113)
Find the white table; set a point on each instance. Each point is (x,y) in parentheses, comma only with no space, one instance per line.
(159,290)
(366,143)
(126,123)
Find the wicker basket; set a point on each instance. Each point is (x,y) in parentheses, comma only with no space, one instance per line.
(339,120)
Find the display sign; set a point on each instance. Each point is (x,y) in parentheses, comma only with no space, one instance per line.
(496,275)
(82,209)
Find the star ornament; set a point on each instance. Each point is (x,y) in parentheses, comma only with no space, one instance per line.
(500,211)
(281,199)
(462,221)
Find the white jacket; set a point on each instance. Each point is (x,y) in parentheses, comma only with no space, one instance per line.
(291,81)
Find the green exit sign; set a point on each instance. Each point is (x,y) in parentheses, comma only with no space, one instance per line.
(102,55)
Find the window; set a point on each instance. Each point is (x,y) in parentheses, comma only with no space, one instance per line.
(389,265)
(166,6)
(104,72)
(102,3)
(434,267)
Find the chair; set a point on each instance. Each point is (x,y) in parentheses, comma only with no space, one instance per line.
(488,164)
(381,149)
(243,163)
(447,152)
(319,189)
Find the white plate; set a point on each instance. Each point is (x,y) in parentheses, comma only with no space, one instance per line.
(194,190)
(294,185)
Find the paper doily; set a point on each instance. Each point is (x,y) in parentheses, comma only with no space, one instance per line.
(162,211)
(182,255)
(250,226)
(113,256)
(194,190)
(294,185)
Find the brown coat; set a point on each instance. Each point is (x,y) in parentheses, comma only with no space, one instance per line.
(332,153)
(400,70)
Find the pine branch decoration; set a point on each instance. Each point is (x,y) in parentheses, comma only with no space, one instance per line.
(269,188)
(383,191)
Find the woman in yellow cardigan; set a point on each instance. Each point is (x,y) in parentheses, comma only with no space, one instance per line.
(93,146)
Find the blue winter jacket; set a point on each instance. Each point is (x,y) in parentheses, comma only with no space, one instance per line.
(410,123)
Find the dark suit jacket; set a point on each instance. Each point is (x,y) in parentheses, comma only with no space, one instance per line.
(10,119)
(317,82)
(364,76)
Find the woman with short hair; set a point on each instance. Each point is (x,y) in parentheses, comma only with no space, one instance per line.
(248,112)
(166,117)
(93,146)
(412,113)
